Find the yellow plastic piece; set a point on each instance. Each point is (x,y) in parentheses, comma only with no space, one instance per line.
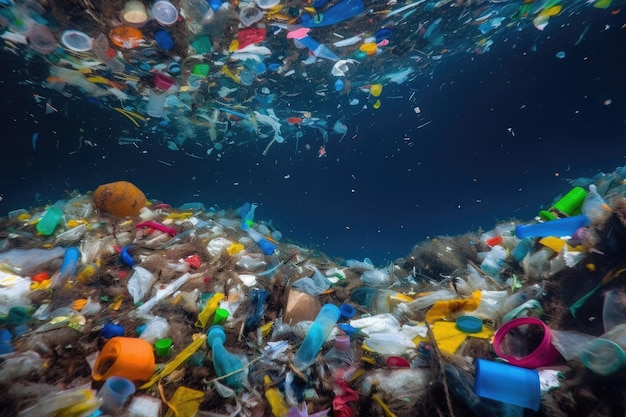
(234,248)
(43,285)
(234,45)
(377,104)
(227,72)
(208,310)
(185,402)
(96,79)
(376,89)
(176,362)
(602,4)
(449,338)
(87,404)
(551,11)
(385,407)
(554,243)
(179,216)
(442,309)
(23,217)
(369,48)
(267,328)
(275,399)
(79,304)
(117,303)
(87,272)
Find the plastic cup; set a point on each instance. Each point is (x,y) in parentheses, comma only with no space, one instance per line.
(165,12)
(221,315)
(544,355)
(163,81)
(604,357)
(134,13)
(127,357)
(114,394)
(156,103)
(163,347)
(508,384)
(614,309)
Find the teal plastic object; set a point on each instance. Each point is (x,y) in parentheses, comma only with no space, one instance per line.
(224,362)
(318,333)
(50,221)
(338,13)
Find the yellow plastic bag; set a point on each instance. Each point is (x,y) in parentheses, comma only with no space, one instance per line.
(208,310)
(443,309)
(184,403)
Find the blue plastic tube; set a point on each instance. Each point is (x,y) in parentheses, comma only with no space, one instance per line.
(559,227)
(317,335)
(338,13)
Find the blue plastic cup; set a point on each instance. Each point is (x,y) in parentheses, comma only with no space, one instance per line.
(114,394)
(508,384)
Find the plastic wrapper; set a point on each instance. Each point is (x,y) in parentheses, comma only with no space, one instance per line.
(140,283)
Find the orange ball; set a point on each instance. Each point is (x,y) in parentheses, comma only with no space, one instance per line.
(119,198)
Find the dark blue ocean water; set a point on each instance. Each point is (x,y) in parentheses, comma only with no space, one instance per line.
(507,129)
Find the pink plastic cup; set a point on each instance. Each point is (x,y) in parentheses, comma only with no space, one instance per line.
(544,355)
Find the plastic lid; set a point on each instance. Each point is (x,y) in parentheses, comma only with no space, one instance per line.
(165,12)
(266,4)
(469,324)
(604,357)
(76,41)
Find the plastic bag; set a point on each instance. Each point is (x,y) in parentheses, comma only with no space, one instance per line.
(140,283)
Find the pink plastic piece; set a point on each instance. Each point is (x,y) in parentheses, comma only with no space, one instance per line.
(544,355)
(157,226)
(298,33)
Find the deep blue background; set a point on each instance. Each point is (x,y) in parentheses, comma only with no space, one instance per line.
(378,194)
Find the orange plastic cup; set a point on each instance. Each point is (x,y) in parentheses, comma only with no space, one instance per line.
(127,357)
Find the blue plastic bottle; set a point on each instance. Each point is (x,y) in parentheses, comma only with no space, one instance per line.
(224,362)
(69,265)
(317,335)
(338,13)
(559,227)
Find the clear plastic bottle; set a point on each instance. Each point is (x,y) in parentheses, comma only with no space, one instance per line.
(341,355)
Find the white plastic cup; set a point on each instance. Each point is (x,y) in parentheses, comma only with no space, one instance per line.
(156,103)
(114,394)
(508,384)
(614,309)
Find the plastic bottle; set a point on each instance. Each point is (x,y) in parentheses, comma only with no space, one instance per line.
(567,206)
(341,355)
(559,227)
(224,362)
(247,215)
(494,260)
(318,49)
(316,336)
(266,246)
(338,13)
(50,220)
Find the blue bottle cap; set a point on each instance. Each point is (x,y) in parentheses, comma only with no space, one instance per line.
(347,311)
(346,328)
(111,330)
(469,324)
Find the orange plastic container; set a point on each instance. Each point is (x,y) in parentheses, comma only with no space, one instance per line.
(126,37)
(127,357)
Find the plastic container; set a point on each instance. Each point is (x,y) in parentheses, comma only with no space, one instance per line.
(509,384)
(604,357)
(156,103)
(49,221)
(126,37)
(569,205)
(164,40)
(316,336)
(41,39)
(76,41)
(266,4)
(341,355)
(559,227)
(250,15)
(114,394)
(126,357)
(544,355)
(224,362)
(165,12)
(343,10)
(134,13)
(144,406)
(614,309)
(163,347)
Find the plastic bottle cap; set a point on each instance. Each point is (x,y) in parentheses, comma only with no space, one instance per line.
(347,311)
(163,347)
(469,324)
(221,315)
